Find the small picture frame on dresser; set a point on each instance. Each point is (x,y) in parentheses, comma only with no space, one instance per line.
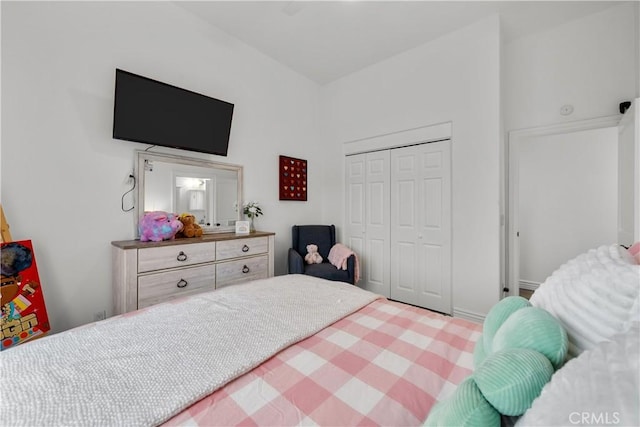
(242,227)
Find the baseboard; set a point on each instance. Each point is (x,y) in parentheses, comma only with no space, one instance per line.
(528,285)
(468,315)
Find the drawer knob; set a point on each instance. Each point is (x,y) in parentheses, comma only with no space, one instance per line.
(245,248)
(182,283)
(245,269)
(181,256)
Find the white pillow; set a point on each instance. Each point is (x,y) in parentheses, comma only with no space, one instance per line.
(594,296)
(599,387)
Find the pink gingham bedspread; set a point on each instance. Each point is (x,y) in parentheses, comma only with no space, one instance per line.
(386,364)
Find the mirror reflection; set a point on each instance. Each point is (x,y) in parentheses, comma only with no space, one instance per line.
(208,190)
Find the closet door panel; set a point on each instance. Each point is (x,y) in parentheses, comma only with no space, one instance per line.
(355,191)
(421,225)
(355,216)
(377,250)
(355,209)
(431,264)
(377,222)
(405,272)
(432,203)
(367,217)
(404,216)
(435,229)
(356,196)
(406,204)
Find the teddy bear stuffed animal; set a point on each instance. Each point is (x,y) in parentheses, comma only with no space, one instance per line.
(190,227)
(312,256)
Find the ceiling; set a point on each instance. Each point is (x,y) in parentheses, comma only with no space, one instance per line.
(326,40)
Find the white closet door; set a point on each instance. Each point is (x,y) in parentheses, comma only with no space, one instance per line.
(368,214)
(355,210)
(377,230)
(421,225)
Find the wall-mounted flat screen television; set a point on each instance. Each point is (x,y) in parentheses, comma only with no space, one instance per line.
(157,113)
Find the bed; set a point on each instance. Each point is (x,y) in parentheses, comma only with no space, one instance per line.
(287,350)
(298,350)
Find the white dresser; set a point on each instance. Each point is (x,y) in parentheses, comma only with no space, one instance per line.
(147,273)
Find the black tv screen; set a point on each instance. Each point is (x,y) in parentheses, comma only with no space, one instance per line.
(157,113)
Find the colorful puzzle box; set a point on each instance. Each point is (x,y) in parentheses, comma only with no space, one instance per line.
(24,315)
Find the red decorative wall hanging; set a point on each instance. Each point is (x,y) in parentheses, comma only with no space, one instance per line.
(293,178)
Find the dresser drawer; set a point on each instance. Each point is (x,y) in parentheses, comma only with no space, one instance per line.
(150,259)
(227,249)
(242,270)
(160,287)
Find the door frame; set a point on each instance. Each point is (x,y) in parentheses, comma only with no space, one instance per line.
(629,140)
(514,139)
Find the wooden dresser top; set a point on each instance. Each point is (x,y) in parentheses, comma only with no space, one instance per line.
(212,237)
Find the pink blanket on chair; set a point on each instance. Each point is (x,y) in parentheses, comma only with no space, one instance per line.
(338,256)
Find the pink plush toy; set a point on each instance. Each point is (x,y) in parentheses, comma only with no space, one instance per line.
(634,250)
(157,226)
(313,256)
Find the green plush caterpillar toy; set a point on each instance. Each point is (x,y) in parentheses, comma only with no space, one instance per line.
(520,348)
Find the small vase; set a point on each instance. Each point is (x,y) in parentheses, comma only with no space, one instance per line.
(252,227)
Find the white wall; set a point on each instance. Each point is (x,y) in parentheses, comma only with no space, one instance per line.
(568,198)
(455,78)
(62,173)
(590,63)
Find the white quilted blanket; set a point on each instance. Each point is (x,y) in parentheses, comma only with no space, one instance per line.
(599,387)
(594,296)
(144,367)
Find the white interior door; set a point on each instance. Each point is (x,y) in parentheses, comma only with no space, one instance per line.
(367,222)
(421,225)
(377,222)
(355,211)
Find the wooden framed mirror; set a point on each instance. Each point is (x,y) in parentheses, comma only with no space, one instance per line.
(211,191)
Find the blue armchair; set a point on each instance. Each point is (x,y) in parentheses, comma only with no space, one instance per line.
(324,236)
